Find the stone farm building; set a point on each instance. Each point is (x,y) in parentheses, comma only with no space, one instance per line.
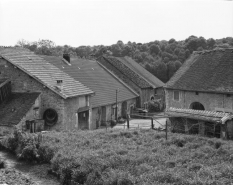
(32,89)
(105,84)
(204,82)
(137,77)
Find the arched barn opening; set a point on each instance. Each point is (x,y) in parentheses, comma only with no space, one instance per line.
(194,129)
(196,106)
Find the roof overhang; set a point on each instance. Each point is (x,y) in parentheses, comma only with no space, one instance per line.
(204,91)
(202,115)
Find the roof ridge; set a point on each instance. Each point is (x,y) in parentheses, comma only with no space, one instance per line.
(117,78)
(146,71)
(186,65)
(116,58)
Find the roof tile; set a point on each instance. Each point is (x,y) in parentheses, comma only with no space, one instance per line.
(93,75)
(45,72)
(209,71)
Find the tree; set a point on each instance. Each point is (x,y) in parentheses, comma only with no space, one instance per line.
(126,51)
(154,49)
(161,72)
(171,69)
(22,43)
(46,43)
(171,41)
(210,43)
(116,50)
(178,64)
(120,44)
(177,51)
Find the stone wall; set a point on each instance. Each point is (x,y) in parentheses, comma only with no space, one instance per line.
(210,101)
(96,112)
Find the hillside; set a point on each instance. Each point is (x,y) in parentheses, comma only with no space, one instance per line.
(161,58)
(119,157)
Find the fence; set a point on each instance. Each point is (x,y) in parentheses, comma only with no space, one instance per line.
(141,124)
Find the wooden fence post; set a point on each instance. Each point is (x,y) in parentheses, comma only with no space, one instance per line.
(152,123)
(128,121)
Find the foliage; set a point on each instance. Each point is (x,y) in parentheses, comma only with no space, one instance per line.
(11,176)
(134,157)
(147,54)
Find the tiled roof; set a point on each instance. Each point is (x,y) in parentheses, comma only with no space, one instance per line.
(44,72)
(16,107)
(209,71)
(133,71)
(95,76)
(211,116)
(141,71)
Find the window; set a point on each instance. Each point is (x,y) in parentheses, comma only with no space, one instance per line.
(176,96)
(146,105)
(87,100)
(196,93)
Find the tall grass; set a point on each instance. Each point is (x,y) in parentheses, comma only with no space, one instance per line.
(129,157)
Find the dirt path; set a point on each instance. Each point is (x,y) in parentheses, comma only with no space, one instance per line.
(143,124)
(37,173)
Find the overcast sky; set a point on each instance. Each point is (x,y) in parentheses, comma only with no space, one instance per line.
(97,22)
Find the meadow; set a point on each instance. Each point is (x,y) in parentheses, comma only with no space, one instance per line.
(125,157)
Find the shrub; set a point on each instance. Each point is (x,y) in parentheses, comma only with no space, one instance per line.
(2,164)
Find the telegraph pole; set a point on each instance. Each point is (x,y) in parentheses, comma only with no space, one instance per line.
(117,90)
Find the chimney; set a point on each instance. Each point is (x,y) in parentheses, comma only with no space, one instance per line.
(60,84)
(66,56)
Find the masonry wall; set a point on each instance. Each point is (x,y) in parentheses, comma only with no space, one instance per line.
(70,118)
(22,82)
(110,115)
(146,95)
(210,101)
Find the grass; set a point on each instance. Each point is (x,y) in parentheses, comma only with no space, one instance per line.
(141,157)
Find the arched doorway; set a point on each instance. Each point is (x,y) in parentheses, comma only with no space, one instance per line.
(124,110)
(196,106)
(194,127)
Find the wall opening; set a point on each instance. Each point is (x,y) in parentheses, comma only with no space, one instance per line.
(196,106)
(124,110)
(50,116)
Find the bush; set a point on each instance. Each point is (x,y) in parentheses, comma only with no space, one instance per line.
(129,157)
(2,164)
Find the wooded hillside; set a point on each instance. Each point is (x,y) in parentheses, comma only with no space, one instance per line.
(161,58)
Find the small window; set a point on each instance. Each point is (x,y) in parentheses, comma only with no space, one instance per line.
(228,95)
(176,95)
(196,93)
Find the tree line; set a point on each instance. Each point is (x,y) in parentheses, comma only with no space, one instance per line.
(161,58)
